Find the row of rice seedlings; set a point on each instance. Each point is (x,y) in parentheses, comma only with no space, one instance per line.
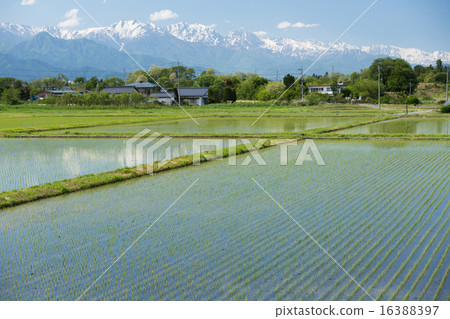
(319,276)
(443,280)
(363,252)
(398,228)
(363,226)
(418,260)
(417,222)
(316,234)
(427,266)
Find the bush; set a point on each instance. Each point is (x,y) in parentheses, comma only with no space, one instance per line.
(316,98)
(412,100)
(445,109)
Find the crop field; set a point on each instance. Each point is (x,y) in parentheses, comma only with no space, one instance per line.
(51,121)
(380,208)
(405,125)
(28,162)
(227,125)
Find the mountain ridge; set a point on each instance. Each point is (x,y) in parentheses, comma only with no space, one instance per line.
(196,45)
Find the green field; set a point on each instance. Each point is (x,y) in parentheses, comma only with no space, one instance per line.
(380,206)
(226,240)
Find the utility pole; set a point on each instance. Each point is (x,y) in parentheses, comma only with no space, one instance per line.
(446,96)
(178,71)
(277,75)
(379,89)
(301,75)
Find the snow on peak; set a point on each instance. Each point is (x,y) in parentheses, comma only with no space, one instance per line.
(195,33)
(207,35)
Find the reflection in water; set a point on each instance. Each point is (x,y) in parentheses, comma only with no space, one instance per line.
(228,125)
(30,162)
(405,126)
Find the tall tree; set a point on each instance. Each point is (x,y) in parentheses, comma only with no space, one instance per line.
(396,74)
(288,80)
(439,67)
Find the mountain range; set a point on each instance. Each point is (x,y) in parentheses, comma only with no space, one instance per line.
(28,52)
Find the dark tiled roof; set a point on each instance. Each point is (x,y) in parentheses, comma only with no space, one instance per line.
(142,85)
(193,92)
(119,89)
(161,95)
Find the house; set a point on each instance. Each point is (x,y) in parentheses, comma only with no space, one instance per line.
(194,96)
(165,97)
(325,88)
(44,94)
(145,88)
(119,89)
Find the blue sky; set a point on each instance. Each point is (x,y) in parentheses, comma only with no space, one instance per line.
(405,23)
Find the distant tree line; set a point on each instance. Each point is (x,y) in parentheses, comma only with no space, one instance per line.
(398,80)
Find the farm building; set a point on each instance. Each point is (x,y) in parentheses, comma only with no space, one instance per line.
(194,96)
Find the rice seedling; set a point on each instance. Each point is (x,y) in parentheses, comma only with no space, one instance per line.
(226,240)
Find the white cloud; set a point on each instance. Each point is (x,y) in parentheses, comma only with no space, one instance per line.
(283,25)
(303,25)
(260,33)
(72,19)
(27,2)
(163,15)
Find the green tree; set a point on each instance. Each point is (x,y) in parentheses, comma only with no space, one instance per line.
(439,67)
(79,82)
(11,96)
(366,88)
(275,89)
(396,74)
(229,94)
(288,80)
(92,84)
(113,81)
(246,90)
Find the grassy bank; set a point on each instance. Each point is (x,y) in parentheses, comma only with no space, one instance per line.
(26,195)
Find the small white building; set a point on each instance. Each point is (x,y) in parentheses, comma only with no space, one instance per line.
(325,88)
(165,97)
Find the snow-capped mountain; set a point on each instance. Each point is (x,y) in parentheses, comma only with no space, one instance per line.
(202,46)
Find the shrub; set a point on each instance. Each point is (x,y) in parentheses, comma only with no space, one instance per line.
(412,100)
(445,108)
(316,98)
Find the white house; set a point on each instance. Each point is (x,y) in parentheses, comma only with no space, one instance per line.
(325,88)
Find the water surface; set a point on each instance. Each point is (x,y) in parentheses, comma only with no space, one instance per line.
(405,125)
